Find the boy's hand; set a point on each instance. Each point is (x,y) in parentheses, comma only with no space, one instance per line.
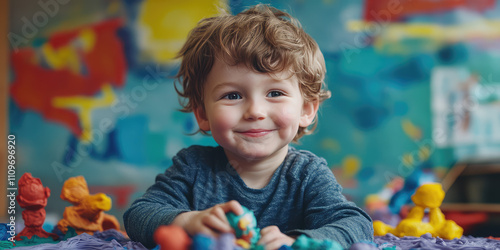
(272,238)
(211,221)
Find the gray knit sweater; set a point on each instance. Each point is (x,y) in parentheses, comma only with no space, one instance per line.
(302,197)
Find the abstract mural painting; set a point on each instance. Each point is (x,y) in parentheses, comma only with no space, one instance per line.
(92,90)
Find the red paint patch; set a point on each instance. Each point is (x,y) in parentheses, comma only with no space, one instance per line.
(392,11)
(35,86)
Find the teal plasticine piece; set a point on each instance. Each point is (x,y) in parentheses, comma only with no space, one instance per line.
(305,243)
(6,244)
(35,240)
(245,226)
(258,247)
(70,233)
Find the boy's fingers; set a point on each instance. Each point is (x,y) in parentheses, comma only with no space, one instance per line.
(232,206)
(274,245)
(208,231)
(270,230)
(219,212)
(266,239)
(267,235)
(213,222)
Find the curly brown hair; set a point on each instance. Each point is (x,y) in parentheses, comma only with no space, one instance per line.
(263,38)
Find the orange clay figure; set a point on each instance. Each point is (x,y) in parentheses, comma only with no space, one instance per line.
(172,237)
(86,215)
(33,198)
(430,196)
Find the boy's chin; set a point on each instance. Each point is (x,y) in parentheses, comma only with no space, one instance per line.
(256,154)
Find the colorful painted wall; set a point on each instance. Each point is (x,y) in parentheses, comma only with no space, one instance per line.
(414,84)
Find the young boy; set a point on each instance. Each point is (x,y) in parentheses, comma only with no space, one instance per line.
(254,81)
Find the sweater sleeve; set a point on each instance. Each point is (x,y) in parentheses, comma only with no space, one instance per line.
(162,202)
(328,215)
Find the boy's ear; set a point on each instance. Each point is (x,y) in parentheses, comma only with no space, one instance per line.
(309,110)
(201,118)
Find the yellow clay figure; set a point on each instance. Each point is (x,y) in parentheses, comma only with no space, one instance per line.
(430,196)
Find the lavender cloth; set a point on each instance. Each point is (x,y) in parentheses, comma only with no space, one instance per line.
(426,241)
(107,240)
(302,197)
(112,239)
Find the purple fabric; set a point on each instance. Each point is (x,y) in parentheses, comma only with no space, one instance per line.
(112,239)
(109,239)
(426,241)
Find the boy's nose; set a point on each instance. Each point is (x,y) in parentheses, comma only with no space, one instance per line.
(255,111)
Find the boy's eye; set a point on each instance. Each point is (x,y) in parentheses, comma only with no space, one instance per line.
(232,96)
(274,93)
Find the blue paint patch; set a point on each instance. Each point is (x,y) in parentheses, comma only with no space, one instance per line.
(156,144)
(189,125)
(400,108)
(415,70)
(39,42)
(369,117)
(131,139)
(16,116)
(365,173)
(453,54)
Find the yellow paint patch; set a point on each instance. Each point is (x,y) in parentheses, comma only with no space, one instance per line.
(486,29)
(424,152)
(330,144)
(411,130)
(408,160)
(389,37)
(87,38)
(68,56)
(65,57)
(351,166)
(84,106)
(164,25)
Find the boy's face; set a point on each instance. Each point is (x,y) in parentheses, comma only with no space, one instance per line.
(253,116)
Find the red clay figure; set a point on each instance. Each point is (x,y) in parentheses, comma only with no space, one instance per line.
(33,198)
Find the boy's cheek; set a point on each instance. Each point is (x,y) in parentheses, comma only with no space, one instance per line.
(223,120)
(286,115)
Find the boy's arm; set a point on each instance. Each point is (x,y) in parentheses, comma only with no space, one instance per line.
(161,203)
(328,215)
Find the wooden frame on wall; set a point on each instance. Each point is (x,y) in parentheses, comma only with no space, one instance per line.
(4,27)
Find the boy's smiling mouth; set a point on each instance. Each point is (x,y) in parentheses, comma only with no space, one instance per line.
(255,132)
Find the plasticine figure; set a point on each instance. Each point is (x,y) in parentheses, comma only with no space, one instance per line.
(4,235)
(305,243)
(245,227)
(203,242)
(172,237)
(33,198)
(430,196)
(86,215)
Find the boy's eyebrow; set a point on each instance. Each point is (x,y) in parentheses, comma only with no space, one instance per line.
(222,84)
(230,83)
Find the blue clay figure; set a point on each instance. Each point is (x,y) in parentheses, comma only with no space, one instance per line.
(4,235)
(245,227)
(203,242)
(305,243)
